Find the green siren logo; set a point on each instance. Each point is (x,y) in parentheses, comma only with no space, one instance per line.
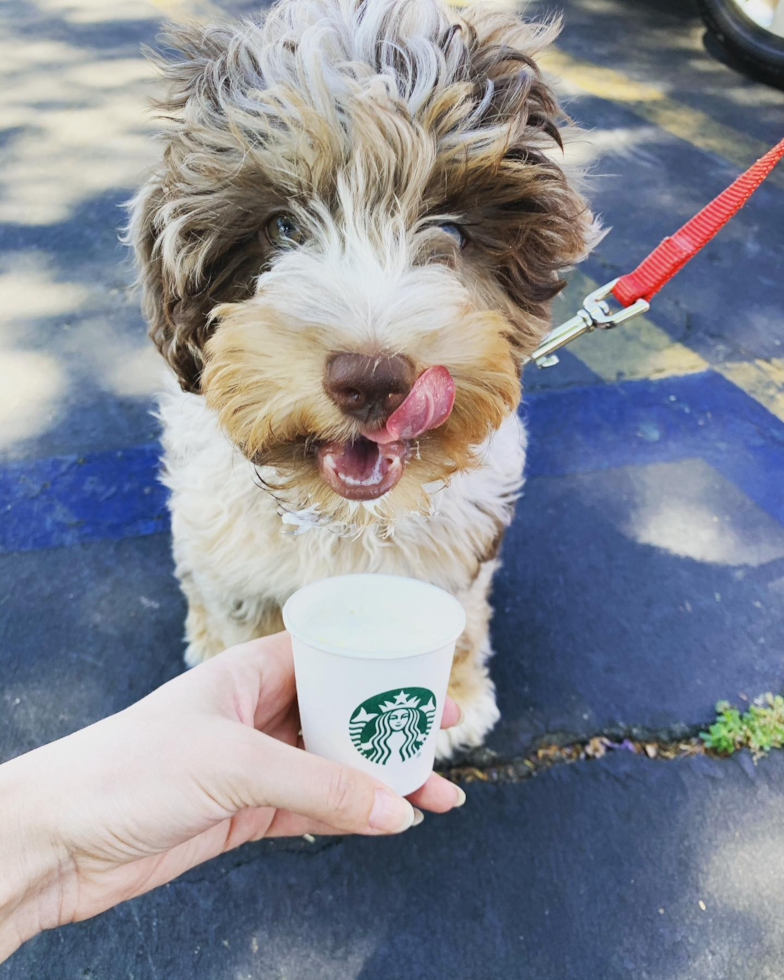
(394,723)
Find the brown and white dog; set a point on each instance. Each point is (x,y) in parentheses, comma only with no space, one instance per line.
(347,250)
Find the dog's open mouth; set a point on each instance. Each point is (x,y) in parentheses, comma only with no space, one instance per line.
(362,470)
(371,465)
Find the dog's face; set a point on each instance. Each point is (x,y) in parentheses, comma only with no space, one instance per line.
(353,241)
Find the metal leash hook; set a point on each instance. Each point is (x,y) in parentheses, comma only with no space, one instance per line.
(595,313)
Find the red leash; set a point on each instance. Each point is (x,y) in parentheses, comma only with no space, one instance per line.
(673,253)
(634,290)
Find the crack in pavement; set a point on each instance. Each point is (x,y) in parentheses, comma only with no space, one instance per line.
(595,747)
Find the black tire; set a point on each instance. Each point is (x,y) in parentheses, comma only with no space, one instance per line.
(757,51)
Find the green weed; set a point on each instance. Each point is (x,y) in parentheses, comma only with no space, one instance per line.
(759,729)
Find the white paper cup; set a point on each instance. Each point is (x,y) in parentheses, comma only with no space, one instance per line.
(372,655)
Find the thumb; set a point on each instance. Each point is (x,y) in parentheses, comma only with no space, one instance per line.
(288,778)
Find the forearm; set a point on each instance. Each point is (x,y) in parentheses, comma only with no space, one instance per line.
(34,866)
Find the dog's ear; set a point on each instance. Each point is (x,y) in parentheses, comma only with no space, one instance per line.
(191,226)
(177,321)
(531,220)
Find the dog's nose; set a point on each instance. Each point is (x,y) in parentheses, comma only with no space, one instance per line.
(368,388)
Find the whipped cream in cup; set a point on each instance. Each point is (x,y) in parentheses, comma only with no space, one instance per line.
(372,656)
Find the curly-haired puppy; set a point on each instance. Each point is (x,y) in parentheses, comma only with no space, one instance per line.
(347,250)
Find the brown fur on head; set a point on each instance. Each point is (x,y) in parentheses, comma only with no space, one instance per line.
(372,124)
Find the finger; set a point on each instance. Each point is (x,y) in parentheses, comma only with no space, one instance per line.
(453,713)
(438,794)
(253,682)
(269,682)
(288,824)
(266,772)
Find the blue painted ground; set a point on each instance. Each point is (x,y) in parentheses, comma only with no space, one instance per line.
(64,500)
(642,580)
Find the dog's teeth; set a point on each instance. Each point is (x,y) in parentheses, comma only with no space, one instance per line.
(383,466)
(352,481)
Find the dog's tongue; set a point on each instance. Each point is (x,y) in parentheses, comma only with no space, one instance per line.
(427,406)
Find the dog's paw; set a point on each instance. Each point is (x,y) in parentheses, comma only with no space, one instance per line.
(480,714)
(201,641)
(197,653)
(193,655)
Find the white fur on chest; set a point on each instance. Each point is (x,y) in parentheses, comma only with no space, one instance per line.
(230,538)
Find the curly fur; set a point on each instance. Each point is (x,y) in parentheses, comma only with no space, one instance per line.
(372,122)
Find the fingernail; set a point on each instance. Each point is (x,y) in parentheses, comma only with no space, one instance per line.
(461,797)
(460,714)
(391,814)
(418,817)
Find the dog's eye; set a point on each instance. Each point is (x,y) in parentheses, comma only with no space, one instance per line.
(284,232)
(455,232)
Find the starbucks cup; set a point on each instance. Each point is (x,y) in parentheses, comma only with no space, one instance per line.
(372,655)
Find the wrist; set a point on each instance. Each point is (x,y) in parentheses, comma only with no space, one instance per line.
(33,885)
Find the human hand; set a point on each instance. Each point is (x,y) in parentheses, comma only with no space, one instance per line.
(203,764)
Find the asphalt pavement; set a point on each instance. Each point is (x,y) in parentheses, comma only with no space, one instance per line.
(642,580)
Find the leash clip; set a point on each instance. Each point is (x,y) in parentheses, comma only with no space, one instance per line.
(595,313)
